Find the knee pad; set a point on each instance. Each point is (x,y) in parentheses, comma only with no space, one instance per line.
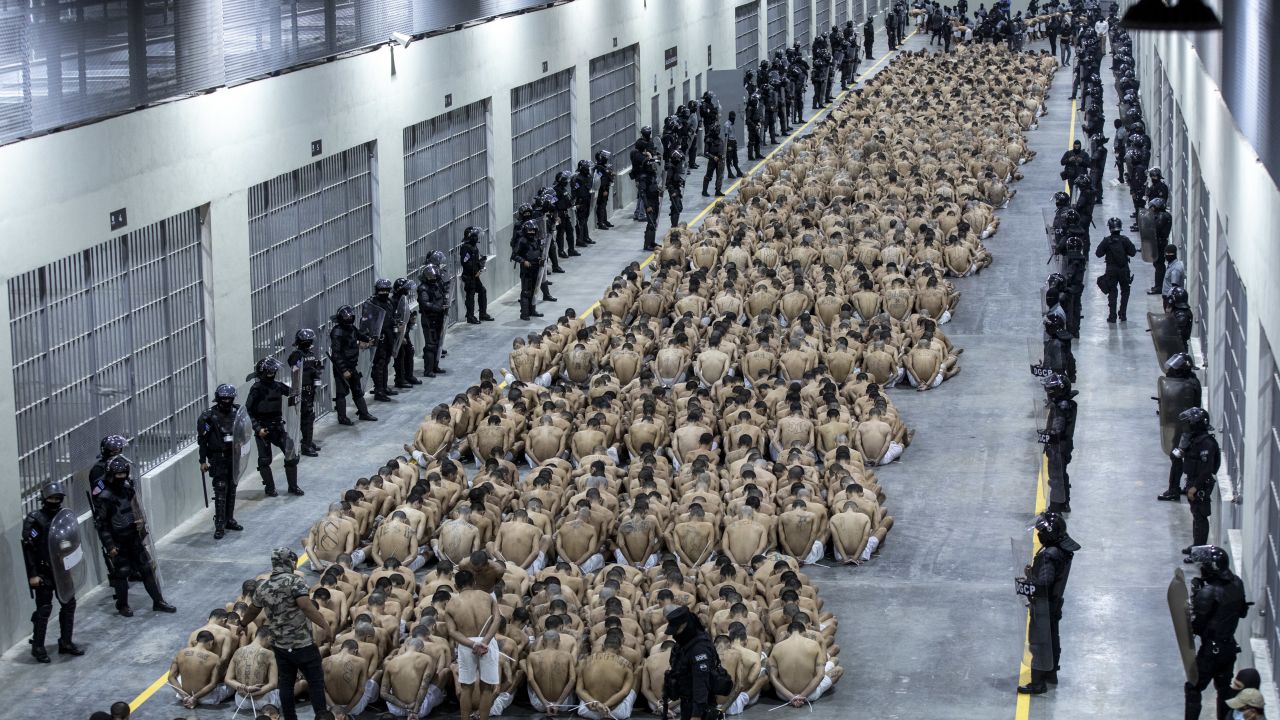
(42,612)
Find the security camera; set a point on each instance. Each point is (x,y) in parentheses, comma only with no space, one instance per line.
(401,39)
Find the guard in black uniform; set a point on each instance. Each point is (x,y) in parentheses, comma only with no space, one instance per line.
(305,357)
(1217,604)
(35,553)
(694,662)
(1180,367)
(564,226)
(753,118)
(1046,584)
(265,405)
(1162,223)
(675,188)
(111,446)
(1180,309)
(214,436)
(580,187)
(403,362)
(345,341)
(1117,249)
(1059,440)
(730,135)
(604,171)
(527,255)
(123,537)
(1198,449)
(433,301)
(713,146)
(639,173)
(651,196)
(1057,358)
(1074,249)
(472,262)
(382,355)
(868,37)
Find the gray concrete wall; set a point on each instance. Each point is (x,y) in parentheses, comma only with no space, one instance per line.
(56,191)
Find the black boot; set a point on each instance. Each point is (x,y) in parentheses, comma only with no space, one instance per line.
(268,481)
(291,476)
(68,648)
(362,410)
(705,182)
(473,320)
(40,654)
(485,317)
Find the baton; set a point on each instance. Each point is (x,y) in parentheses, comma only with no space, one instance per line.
(204,485)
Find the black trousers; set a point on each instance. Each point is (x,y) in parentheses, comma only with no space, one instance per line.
(652,200)
(1200,511)
(1119,284)
(731,160)
(528,286)
(381,364)
(347,386)
(403,364)
(473,291)
(132,557)
(276,436)
(288,664)
(1159,264)
(715,168)
(44,610)
(602,206)
(583,218)
(307,419)
(1175,474)
(432,335)
(224,490)
(676,206)
(564,233)
(1215,663)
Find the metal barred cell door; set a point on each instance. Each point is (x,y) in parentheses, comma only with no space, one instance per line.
(822,15)
(615,104)
(802,23)
(747,36)
(776,26)
(447,184)
(111,340)
(311,250)
(541,133)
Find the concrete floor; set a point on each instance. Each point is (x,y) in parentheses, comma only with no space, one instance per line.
(929,629)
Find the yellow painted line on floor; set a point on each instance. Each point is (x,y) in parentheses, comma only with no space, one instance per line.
(1022,711)
(163,679)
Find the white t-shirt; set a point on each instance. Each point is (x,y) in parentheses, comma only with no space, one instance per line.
(1101,27)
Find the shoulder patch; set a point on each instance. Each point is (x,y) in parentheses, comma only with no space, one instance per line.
(700,658)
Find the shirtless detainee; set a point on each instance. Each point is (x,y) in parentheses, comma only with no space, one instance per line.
(193,675)
(472,618)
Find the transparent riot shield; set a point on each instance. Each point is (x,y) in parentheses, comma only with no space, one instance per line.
(293,413)
(401,320)
(1165,336)
(66,554)
(1147,235)
(1035,357)
(242,443)
(1020,554)
(372,318)
(1180,613)
(544,237)
(1174,395)
(1051,241)
(144,529)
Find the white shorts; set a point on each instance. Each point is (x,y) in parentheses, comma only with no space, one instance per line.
(473,667)
(593,563)
(540,706)
(417,562)
(893,453)
(429,701)
(538,563)
(742,702)
(622,560)
(621,712)
(369,694)
(823,686)
(815,553)
(251,705)
(500,702)
(217,695)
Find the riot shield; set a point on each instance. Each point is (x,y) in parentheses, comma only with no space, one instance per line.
(1179,612)
(1021,551)
(372,318)
(65,554)
(1051,240)
(1147,235)
(402,320)
(242,444)
(1174,395)
(1035,357)
(145,529)
(293,413)
(1165,336)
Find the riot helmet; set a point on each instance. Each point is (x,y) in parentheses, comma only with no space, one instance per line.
(112,445)
(1196,419)
(529,228)
(1056,280)
(1156,203)
(525,211)
(1071,216)
(224,396)
(53,492)
(1114,224)
(1053,323)
(1056,386)
(471,234)
(267,368)
(118,469)
(1155,173)
(1212,559)
(382,287)
(646,132)
(437,258)
(403,286)
(304,338)
(602,157)
(430,273)
(346,315)
(584,166)
(1179,365)
(1051,529)
(1178,297)
(563,177)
